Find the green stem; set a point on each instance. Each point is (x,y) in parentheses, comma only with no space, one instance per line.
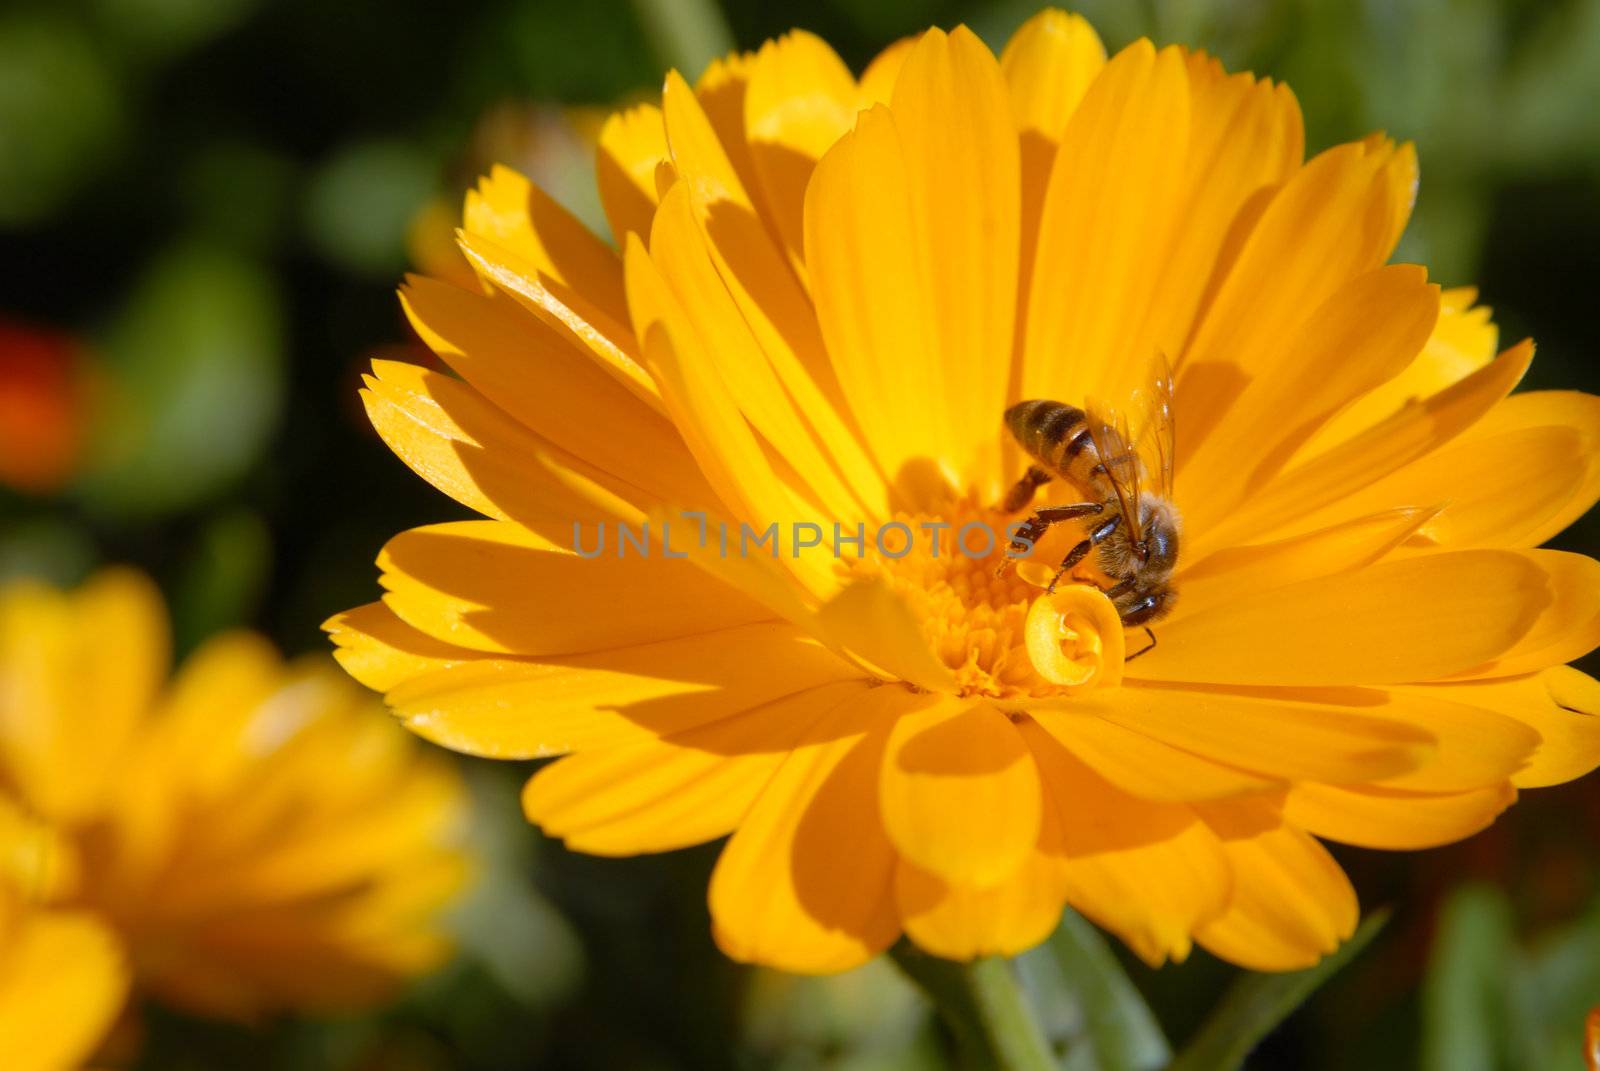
(1257,1003)
(1007,1021)
(984,1008)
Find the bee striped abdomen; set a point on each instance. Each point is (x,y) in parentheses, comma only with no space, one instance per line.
(1055,434)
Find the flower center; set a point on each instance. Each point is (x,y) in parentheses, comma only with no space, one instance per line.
(998,633)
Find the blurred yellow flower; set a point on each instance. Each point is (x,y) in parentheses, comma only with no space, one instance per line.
(251,838)
(829,290)
(63,976)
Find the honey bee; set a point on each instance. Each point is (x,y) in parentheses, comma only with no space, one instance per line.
(1134,531)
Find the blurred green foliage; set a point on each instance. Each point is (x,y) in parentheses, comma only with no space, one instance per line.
(60,113)
(217,195)
(195,357)
(1491,1001)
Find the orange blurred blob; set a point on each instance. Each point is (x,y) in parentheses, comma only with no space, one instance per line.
(43,407)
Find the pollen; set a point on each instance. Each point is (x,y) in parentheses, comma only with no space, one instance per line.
(976,618)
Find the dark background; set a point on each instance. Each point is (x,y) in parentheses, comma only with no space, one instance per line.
(209,202)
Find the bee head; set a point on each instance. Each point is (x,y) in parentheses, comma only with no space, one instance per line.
(1142,607)
(1158,550)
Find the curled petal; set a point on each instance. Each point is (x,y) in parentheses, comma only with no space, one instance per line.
(1075,639)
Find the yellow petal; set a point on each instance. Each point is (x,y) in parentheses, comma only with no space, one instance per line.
(1146,767)
(872,622)
(1401,176)
(1329,223)
(413,810)
(962,922)
(800,99)
(805,883)
(1497,491)
(1280,736)
(515,213)
(776,313)
(497,587)
(683,789)
(62,983)
(1149,872)
(633,143)
(1546,411)
(1291,904)
(1048,65)
(1365,333)
(1384,818)
(1561,704)
(1571,745)
(952,112)
(743,558)
(960,793)
(877,81)
(1246,138)
(709,122)
(527,369)
(1237,571)
(868,282)
(1463,341)
(1331,477)
(194,742)
(570,312)
(378,649)
(78,675)
(705,132)
(507,709)
(757,485)
(678,250)
(484,459)
(1569,627)
(1108,215)
(1474,746)
(1411,620)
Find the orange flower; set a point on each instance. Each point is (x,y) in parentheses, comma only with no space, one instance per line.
(830,289)
(253,838)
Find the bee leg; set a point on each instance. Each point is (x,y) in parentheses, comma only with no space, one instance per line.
(1030,530)
(1021,492)
(1081,551)
(1146,649)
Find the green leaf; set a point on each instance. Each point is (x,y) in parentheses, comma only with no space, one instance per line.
(222,579)
(60,107)
(1256,1003)
(196,358)
(362,202)
(1463,998)
(1086,1003)
(1552,985)
(154,31)
(503,922)
(1550,121)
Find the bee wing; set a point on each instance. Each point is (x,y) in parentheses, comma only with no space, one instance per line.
(1108,430)
(1156,435)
